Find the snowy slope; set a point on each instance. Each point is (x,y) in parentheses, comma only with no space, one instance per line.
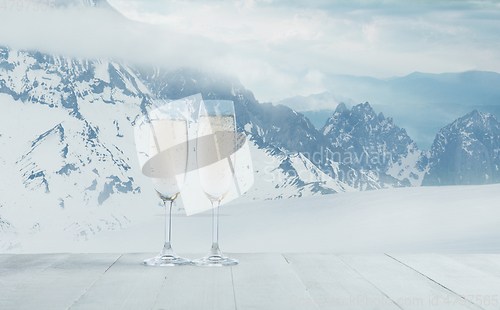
(457,219)
(63,175)
(288,176)
(67,146)
(409,166)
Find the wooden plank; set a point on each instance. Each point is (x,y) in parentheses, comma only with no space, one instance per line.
(17,270)
(487,263)
(61,283)
(197,288)
(126,285)
(5,257)
(406,287)
(261,281)
(334,284)
(477,287)
(267,281)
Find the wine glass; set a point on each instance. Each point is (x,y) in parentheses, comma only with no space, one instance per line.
(167,165)
(215,154)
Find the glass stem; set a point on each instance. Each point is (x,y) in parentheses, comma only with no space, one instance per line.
(215,229)
(167,248)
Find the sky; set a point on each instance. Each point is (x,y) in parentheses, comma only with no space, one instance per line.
(277,48)
(280,47)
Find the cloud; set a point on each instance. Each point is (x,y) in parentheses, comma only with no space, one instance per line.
(101,33)
(271,45)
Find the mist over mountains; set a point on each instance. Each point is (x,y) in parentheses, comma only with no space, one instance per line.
(422,103)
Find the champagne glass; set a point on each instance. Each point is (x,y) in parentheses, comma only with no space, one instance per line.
(215,154)
(167,165)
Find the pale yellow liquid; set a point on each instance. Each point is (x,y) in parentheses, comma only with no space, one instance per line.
(168,152)
(215,154)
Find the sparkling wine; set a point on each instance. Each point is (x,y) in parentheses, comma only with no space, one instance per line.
(215,154)
(168,152)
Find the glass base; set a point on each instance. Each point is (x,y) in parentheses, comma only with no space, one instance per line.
(163,260)
(215,261)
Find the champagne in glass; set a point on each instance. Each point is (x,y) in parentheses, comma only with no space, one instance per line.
(168,156)
(167,165)
(215,153)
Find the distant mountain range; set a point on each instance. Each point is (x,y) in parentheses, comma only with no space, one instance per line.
(422,103)
(465,152)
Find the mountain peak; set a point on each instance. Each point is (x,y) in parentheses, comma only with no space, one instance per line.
(474,113)
(466,152)
(362,131)
(381,117)
(364,110)
(474,117)
(341,108)
(363,106)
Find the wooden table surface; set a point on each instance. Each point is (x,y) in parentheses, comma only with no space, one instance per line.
(260,281)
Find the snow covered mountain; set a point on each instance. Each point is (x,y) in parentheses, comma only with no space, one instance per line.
(423,102)
(466,151)
(277,133)
(68,158)
(67,146)
(65,143)
(374,142)
(276,127)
